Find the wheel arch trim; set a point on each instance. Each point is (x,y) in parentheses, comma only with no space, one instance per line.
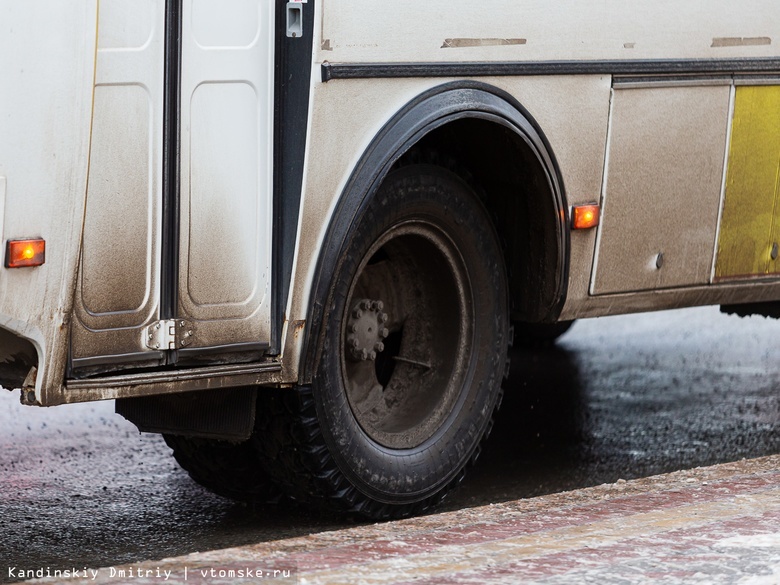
(425,113)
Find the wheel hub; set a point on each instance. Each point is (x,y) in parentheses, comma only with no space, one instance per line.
(366,330)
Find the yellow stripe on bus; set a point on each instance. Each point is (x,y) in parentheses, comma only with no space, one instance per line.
(750,226)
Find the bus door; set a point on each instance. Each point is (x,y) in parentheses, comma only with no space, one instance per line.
(176,253)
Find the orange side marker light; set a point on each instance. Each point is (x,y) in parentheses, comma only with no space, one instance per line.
(25,253)
(585,217)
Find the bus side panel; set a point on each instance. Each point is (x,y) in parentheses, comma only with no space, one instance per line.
(540,30)
(48,50)
(572,111)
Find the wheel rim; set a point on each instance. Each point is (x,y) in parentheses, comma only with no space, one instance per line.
(404,338)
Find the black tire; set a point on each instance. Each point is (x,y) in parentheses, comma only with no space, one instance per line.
(231,470)
(412,356)
(539,334)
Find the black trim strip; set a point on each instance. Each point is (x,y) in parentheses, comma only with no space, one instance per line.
(523,68)
(291,118)
(169,285)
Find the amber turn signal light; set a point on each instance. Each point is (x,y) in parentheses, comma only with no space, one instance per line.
(585,216)
(24,253)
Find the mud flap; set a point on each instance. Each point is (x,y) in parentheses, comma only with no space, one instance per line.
(212,414)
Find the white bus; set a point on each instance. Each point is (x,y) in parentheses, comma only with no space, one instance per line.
(297,238)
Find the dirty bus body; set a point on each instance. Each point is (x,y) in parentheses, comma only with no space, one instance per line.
(297,239)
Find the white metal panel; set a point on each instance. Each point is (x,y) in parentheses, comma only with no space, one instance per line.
(47,61)
(465,30)
(127,25)
(232,24)
(662,189)
(223,260)
(226,170)
(117,266)
(118,289)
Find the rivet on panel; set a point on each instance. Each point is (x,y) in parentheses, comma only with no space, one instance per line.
(659,261)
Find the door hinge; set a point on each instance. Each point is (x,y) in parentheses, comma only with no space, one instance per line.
(169,334)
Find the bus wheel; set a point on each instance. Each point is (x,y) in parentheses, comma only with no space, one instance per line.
(411,359)
(231,470)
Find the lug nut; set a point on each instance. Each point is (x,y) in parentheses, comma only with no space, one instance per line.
(372,355)
(380,347)
(384,333)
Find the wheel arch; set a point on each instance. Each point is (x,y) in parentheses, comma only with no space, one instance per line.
(480,113)
(20,360)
